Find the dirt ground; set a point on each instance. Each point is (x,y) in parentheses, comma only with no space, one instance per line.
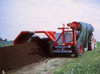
(30,58)
(44,67)
(20,55)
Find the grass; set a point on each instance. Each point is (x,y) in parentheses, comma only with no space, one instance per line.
(6,43)
(55,64)
(88,63)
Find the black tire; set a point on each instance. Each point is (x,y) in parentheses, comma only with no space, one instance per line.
(51,49)
(77,49)
(91,44)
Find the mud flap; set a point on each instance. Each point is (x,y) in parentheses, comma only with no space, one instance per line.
(23,37)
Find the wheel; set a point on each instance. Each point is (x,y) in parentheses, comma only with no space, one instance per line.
(91,44)
(51,49)
(78,49)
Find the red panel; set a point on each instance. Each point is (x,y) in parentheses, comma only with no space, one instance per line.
(24,36)
(50,34)
(73,25)
(76,25)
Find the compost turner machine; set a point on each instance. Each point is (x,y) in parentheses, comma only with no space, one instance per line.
(75,38)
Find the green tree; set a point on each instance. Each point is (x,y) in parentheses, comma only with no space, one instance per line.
(1,39)
(5,40)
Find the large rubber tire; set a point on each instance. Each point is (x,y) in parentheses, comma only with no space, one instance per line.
(91,44)
(51,49)
(78,49)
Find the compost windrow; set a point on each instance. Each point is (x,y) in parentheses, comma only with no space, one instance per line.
(23,54)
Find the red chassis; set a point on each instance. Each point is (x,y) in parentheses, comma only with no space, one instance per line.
(63,42)
(24,36)
(51,34)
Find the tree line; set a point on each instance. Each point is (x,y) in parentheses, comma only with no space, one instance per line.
(3,40)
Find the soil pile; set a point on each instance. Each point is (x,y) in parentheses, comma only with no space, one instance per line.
(23,54)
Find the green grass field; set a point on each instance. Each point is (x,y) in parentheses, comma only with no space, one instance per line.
(6,43)
(88,63)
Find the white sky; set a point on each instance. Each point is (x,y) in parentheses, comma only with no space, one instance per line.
(32,15)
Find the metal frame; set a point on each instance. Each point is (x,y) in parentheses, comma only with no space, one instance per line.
(25,35)
(63,33)
(51,36)
(22,39)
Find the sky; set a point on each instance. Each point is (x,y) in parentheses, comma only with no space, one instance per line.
(46,15)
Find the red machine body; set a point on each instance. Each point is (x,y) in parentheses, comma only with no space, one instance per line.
(64,42)
(24,36)
(51,34)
